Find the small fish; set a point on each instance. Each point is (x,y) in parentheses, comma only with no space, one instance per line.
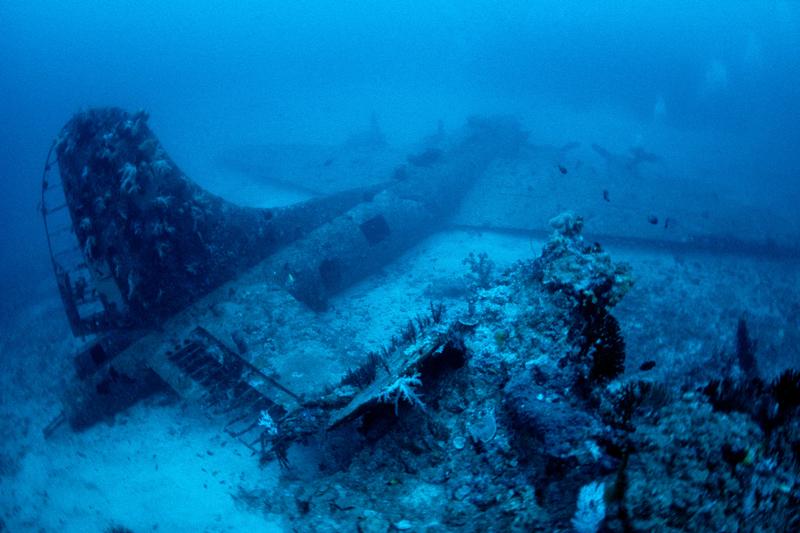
(606,196)
(562,169)
(647,365)
(666,222)
(652,219)
(328,162)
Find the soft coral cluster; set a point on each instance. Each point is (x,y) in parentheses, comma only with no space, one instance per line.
(403,388)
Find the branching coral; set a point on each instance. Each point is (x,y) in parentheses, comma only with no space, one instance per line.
(481,272)
(160,168)
(403,388)
(128,183)
(162,228)
(163,201)
(162,248)
(591,508)
(632,396)
(269,425)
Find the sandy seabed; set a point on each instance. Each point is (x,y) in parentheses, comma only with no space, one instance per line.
(163,466)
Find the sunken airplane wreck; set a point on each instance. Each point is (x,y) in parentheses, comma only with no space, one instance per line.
(170,278)
(520,416)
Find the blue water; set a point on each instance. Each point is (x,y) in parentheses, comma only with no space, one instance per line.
(313,71)
(713,87)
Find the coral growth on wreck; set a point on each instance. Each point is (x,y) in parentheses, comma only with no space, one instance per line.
(543,431)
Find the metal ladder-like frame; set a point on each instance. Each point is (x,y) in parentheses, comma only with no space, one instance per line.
(86,309)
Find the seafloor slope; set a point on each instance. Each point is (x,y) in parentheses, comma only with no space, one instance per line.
(529,423)
(519,417)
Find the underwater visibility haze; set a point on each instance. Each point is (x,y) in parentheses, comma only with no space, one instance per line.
(399,266)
